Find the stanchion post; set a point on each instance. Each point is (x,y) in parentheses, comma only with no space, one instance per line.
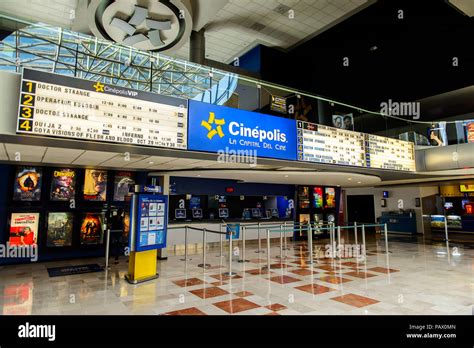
(230,273)
(268,249)
(355,232)
(243,260)
(310,243)
(221,242)
(185,244)
(446,229)
(338,241)
(259,239)
(363,243)
(386,238)
(281,242)
(107,250)
(204,244)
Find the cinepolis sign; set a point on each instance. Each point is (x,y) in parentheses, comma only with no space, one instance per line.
(150,25)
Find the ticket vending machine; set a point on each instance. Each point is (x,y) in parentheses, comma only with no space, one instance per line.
(148,228)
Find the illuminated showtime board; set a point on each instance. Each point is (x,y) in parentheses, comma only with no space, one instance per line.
(67,107)
(388,153)
(323,144)
(329,145)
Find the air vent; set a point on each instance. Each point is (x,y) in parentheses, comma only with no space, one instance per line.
(282,9)
(257,27)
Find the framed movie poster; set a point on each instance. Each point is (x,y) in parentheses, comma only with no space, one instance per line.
(95,185)
(24,229)
(59,233)
(123,183)
(330,193)
(92,229)
(318,197)
(27,186)
(63,184)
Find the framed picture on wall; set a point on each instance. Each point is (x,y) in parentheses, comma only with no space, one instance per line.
(417,202)
(27,186)
(383,203)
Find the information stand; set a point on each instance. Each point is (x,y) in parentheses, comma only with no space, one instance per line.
(148,227)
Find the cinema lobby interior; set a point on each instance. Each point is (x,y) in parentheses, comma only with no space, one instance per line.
(237,157)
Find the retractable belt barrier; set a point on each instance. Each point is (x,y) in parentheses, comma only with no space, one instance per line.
(283,228)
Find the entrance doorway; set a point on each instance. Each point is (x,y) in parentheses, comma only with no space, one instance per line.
(361,209)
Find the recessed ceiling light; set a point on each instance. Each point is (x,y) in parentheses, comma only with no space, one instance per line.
(286,176)
(359,182)
(199,175)
(151,162)
(349,179)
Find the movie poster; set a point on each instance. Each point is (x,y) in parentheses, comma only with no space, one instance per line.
(330,193)
(59,232)
(95,185)
(123,183)
(27,185)
(126,225)
(63,184)
(343,121)
(24,228)
(318,197)
(92,229)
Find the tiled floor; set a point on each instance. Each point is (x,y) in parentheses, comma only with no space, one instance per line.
(415,278)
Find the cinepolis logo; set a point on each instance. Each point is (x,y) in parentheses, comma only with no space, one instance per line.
(212,132)
(99,87)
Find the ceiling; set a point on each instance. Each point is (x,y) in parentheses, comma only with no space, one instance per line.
(242,24)
(232,26)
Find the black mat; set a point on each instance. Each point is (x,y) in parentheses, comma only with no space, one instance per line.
(71,270)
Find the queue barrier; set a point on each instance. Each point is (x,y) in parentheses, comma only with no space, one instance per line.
(334,233)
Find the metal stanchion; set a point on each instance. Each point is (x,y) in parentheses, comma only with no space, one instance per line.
(186,245)
(221,243)
(281,243)
(243,260)
(331,240)
(310,244)
(363,243)
(259,250)
(446,229)
(386,238)
(230,273)
(268,249)
(286,238)
(355,232)
(338,241)
(204,265)
(107,250)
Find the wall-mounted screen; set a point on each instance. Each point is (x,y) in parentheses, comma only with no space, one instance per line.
(62,106)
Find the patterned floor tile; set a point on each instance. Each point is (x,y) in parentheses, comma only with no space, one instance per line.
(355,300)
(334,279)
(276,307)
(314,289)
(302,272)
(188,282)
(284,279)
(243,293)
(187,311)
(360,274)
(209,292)
(236,305)
(383,270)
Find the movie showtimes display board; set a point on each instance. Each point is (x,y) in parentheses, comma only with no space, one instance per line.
(323,144)
(388,153)
(61,106)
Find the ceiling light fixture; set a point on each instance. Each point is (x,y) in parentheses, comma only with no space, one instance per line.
(349,179)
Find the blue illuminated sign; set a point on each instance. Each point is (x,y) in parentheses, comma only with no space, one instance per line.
(230,132)
(152,222)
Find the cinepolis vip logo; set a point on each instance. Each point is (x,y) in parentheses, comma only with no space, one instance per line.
(99,87)
(213,126)
(153,25)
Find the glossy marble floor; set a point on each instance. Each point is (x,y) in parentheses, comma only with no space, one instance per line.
(414,278)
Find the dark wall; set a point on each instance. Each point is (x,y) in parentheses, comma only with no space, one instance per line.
(200,186)
(413,58)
